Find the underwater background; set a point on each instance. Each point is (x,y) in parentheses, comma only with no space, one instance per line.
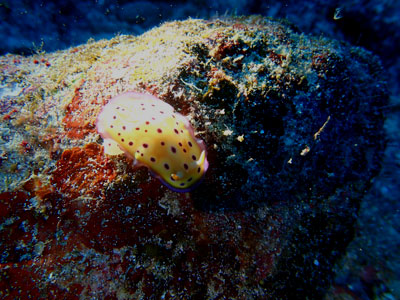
(282,253)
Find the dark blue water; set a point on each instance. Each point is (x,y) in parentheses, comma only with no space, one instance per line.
(371,266)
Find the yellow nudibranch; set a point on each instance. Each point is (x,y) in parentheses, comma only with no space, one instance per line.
(149,131)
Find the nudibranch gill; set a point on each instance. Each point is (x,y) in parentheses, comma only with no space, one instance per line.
(149,131)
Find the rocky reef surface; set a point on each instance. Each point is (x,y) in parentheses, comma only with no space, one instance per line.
(294,131)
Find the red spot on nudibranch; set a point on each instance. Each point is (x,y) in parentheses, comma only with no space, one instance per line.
(176,131)
(162,144)
(122,140)
(198,170)
(180,144)
(152,159)
(123,127)
(173,149)
(185,166)
(159,130)
(147,122)
(114,117)
(190,144)
(184,150)
(194,157)
(137,128)
(130,143)
(166,166)
(111,126)
(145,145)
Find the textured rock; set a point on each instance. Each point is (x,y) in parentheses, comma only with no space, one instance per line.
(293,128)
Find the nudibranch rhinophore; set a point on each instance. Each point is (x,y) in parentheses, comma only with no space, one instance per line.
(149,131)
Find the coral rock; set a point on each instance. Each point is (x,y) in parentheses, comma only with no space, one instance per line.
(294,132)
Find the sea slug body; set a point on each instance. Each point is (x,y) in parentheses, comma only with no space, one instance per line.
(149,131)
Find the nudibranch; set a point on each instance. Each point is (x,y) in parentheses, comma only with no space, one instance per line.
(149,131)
